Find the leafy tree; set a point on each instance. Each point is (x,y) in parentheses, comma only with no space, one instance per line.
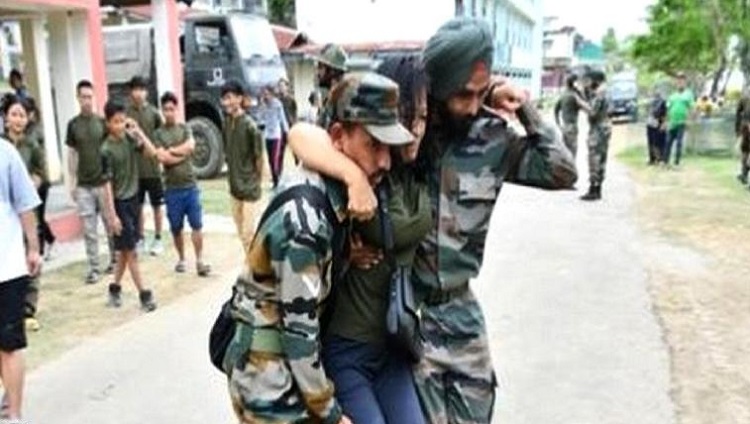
(282,12)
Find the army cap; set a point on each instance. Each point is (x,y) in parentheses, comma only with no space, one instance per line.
(371,100)
(333,56)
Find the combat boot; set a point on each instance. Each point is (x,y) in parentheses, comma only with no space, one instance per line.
(115,299)
(595,193)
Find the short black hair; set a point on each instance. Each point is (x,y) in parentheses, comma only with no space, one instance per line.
(234,87)
(9,100)
(15,73)
(407,71)
(112,108)
(137,82)
(169,97)
(84,83)
(570,80)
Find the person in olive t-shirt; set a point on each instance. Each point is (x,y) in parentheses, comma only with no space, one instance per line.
(243,149)
(174,147)
(149,172)
(125,142)
(84,137)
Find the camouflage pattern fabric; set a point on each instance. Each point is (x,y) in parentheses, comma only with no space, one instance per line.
(600,131)
(567,109)
(456,382)
(274,365)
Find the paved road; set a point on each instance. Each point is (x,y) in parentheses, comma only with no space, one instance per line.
(573,336)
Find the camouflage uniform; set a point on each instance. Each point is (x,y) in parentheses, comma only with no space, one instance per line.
(568,107)
(456,381)
(335,58)
(600,131)
(742,129)
(273,362)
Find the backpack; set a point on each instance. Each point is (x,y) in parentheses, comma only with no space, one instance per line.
(224,327)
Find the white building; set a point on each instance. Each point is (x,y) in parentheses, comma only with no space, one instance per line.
(517,26)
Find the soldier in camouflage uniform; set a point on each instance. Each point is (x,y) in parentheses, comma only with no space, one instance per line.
(600,131)
(273,362)
(331,68)
(568,106)
(468,155)
(742,129)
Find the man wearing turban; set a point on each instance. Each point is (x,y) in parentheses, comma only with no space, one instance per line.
(468,153)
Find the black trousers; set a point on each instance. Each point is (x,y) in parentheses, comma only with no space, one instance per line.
(43,230)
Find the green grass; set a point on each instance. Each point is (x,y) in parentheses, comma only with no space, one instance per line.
(215,196)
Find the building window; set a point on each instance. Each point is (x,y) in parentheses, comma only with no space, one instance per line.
(459,7)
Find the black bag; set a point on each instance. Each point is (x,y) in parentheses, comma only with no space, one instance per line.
(225,326)
(402,316)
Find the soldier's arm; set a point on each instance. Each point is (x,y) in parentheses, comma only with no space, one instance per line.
(255,140)
(540,158)
(38,163)
(312,145)
(558,108)
(738,117)
(72,158)
(185,148)
(300,273)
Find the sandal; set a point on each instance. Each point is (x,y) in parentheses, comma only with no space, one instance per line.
(180,267)
(203,269)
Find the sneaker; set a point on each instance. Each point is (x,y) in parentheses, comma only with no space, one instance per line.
(147,300)
(203,269)
(115,299)
(32,324)
(181,267)
(156,248)
(92,277)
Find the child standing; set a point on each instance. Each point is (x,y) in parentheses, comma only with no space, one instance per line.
(124,143)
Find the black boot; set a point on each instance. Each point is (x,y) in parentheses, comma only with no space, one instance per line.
(147,300)
(595,193)
(115,299)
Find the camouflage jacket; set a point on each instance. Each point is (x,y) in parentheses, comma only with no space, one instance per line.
(464,181)
(599,115)
(567,108)
(281,290)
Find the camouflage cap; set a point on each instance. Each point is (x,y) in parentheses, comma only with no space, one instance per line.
(371,100)
(334,56)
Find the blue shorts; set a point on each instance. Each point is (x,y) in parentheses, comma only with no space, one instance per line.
(181,203)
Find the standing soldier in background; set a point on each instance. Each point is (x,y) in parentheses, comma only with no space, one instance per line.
(149,172)
(331,68)
(742,129)
(600,131)
(84,137)
(568,106)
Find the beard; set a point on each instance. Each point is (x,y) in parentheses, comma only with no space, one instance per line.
(454,126)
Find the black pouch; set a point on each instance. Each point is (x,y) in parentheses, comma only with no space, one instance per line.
(402,316)
(221,334)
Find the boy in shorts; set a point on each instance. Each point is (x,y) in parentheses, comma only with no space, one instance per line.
(124,144)
(174,148)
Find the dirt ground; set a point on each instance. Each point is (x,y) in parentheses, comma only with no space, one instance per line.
(697,225)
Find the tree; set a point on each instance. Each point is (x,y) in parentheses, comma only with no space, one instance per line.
(681,39)
(609,42)
(281,12)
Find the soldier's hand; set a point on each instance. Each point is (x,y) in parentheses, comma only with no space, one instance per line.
(345,420)
(363,256)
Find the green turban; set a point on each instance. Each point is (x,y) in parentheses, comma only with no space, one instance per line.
(454,51)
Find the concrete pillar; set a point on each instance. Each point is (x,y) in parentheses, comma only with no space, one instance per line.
(70,63)
(166,33)
(38,80)
(92,33)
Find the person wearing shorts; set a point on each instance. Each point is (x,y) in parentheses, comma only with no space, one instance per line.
(21,260)
(124,143)
(174,148)
(149,175)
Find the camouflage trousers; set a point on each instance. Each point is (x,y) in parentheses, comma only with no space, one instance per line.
(90,202)
(455,379)
(570,137)
(261,386)
(598,144)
